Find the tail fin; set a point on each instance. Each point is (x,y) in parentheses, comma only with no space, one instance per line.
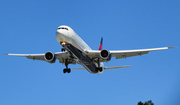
(100,46)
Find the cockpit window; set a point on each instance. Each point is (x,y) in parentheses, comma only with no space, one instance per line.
(63,28)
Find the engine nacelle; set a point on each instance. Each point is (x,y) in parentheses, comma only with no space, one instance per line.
(106,55)
(50,57)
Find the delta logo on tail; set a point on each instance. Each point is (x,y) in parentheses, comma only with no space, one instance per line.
(100,46)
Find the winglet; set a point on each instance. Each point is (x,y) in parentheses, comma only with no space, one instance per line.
(100,46)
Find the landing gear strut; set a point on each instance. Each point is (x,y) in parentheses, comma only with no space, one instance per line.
(68,70)
(99,69)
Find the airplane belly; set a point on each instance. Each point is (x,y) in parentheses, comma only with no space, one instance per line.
(83,59)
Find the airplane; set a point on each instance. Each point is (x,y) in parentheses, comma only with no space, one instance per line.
(75,50)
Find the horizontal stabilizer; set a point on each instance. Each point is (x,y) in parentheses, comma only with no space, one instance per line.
(79,68)
(105,68)
(116,67)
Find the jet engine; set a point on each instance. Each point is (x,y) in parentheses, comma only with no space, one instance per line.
(50,57)
(106,55)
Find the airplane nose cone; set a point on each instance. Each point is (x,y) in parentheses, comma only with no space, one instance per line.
(58,32)
(62,35)
(62,32)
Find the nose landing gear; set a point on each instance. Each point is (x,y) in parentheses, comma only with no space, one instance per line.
(63,44)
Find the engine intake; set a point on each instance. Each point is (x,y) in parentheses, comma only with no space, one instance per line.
(50,57)
(106,55)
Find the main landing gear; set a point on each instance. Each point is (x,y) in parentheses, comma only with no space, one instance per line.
(63,50)
(99,69)
(66,70)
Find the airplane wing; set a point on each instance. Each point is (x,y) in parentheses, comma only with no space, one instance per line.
(129,53)
(123,53)
(61,56)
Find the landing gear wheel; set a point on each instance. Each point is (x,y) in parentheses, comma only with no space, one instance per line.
(66,70)
(63,50)
(98,69)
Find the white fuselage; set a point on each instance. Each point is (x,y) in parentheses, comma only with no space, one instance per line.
(66,34)
(71,37)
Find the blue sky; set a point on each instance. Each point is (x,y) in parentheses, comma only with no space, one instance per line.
(29,27)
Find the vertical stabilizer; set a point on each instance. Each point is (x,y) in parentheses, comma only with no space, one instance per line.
(100,46)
